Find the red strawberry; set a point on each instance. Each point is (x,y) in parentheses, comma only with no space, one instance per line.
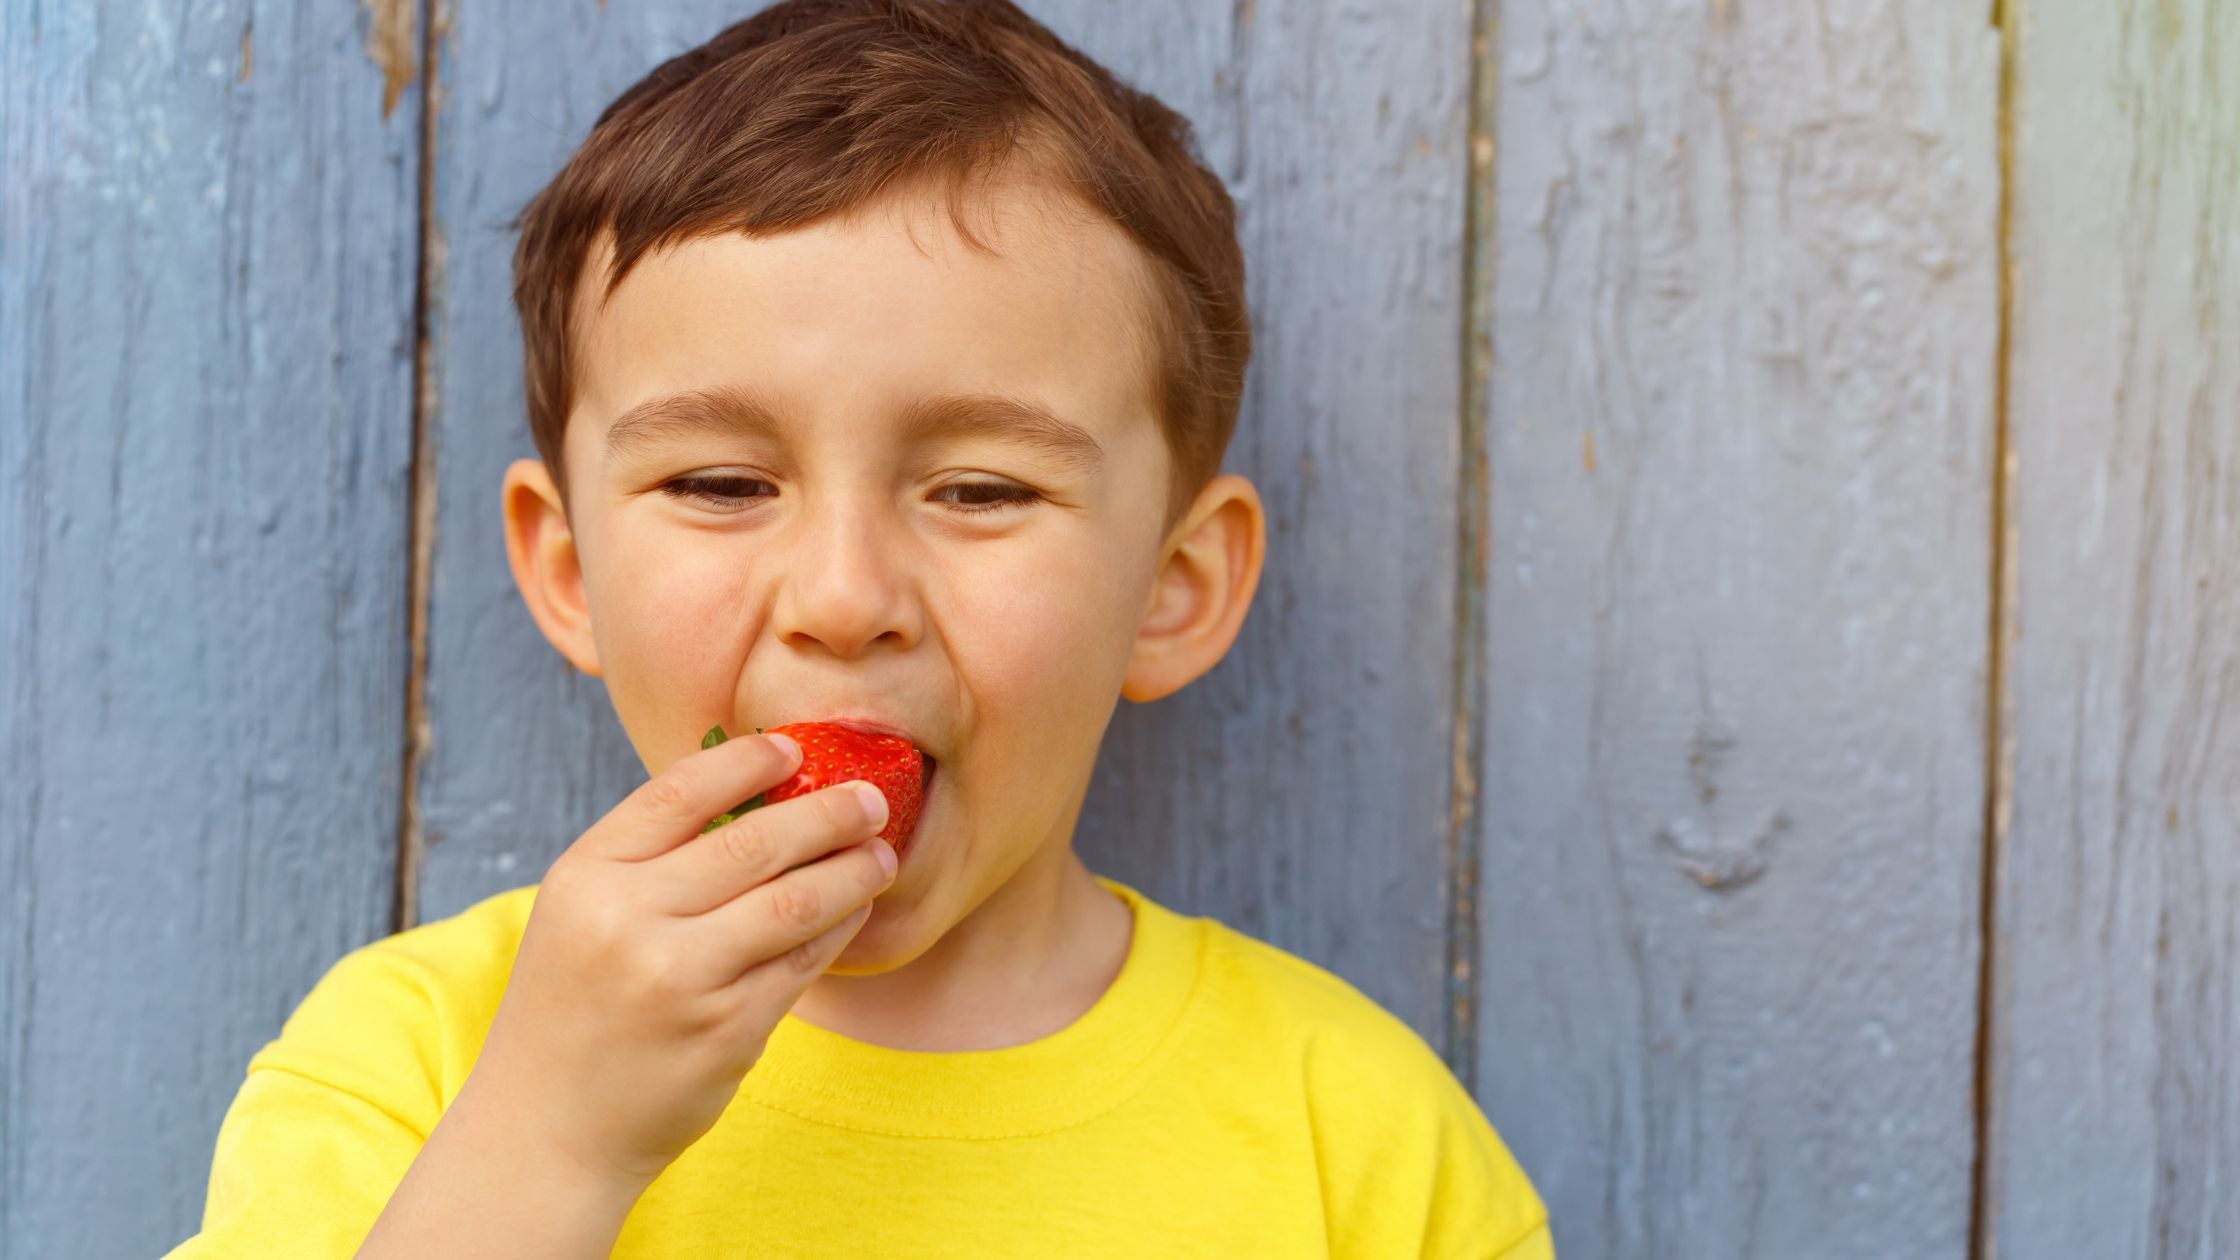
(835,754)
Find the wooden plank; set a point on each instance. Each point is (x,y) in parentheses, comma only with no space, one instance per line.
(520,752)
(207,262)
(2115,1073)
(1299,792)
(1741,435)
(1248,795)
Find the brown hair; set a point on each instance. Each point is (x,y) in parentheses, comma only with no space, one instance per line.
(813,108)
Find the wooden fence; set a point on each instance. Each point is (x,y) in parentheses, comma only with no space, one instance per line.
(1749,660)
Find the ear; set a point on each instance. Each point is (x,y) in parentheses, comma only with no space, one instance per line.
(1207,574)
(542,551)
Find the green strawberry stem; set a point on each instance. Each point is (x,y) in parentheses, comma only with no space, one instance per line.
(716,736)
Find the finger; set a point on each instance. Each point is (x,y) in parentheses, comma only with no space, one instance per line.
(710,870)
(775,985)
(672,806)
(774,920)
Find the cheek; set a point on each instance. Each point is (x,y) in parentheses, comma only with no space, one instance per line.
(667,621)
(1041,644)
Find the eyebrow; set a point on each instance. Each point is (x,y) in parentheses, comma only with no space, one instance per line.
(735,410)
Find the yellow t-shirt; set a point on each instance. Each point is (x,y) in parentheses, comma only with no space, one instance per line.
(1222,1098)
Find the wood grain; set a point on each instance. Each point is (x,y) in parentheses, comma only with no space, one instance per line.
(1741,427)
(2115,1066)
(1735,290)
(206,291)
(522,752)
(1299,791)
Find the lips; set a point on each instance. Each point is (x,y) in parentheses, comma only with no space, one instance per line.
(869,726)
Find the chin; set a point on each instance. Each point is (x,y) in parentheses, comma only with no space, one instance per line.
(881,944)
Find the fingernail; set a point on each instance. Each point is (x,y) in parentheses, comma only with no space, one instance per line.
(874,801)
(885,854)
(785,744)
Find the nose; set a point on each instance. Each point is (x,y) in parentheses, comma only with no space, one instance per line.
(845,585)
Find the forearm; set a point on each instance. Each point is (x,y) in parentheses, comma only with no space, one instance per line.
(477,1189)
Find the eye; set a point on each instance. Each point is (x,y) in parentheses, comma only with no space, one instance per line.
(714,491)
(729,491)
(988,496)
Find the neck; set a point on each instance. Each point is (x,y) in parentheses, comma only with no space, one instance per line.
(1029,960)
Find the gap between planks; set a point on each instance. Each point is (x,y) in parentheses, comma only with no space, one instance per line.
(411,836)
(1472,542)
(1998,746)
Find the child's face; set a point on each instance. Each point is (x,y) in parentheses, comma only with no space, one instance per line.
(855,562)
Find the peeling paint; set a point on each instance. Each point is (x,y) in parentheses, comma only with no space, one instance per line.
(389,44)
(248,30)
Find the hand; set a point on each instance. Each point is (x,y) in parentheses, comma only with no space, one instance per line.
(657,960)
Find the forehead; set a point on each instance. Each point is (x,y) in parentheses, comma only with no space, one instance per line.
(876,307)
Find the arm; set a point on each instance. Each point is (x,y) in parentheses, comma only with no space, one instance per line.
(327,1118)
(647,958)
(480,1187)
(304,1166)
(339,1142)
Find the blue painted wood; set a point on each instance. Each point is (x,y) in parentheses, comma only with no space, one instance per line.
(1740,306)
(1301,790)
(206,279)
(2115,1066)
(496,810)
(1744,323)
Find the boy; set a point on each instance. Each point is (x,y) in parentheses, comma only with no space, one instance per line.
(881,355)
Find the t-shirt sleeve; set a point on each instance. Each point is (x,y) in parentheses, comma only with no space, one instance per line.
(1410,1164)
(328,1118)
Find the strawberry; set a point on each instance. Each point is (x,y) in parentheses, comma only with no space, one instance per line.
(835,754)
